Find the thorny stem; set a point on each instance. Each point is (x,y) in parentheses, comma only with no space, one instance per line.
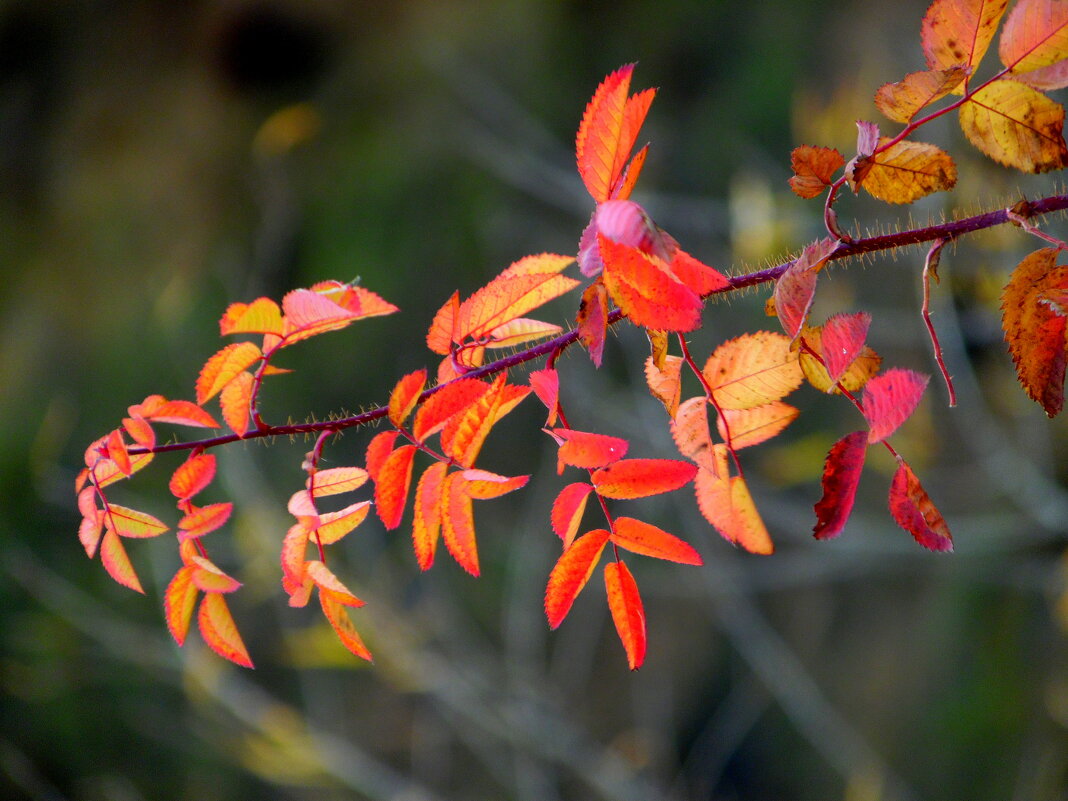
(930,270)
(914,236)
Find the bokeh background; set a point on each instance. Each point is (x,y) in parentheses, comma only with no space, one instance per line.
(159,160)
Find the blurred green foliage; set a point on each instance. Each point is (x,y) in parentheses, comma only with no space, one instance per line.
(159,160)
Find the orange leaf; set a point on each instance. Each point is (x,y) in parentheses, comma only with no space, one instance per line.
(752,370)
(181,412)
(193,475)
(464,434)
(1034,331)
(178,602)
(442,331)
(529,283)
(841,475)
(482,485)
(140,430)
(90,529)
(1035,35)
(209,578)
(338,617)
(117,563)
(118,454)
(204,520)
(131,523)
(294,547)
(568,509)
(302,507)
(665,383)
(378,450)
(570,574)
(236,402)
(427,516)
(546,385)
(1016,126)
(648,295)
(520,331)
(592,320)
(914,511)
(335,525)
(726,503)
(814,169)
(361,302)
(405,396)
(752,426)
(392,484)
(625,604)
(698,276)
(638,478)
(648,540)
(262,316)
(224,367)
(690,431)
(583,449)
(958,32)
(219,631)
(335,480)
(902,100)
(328,306)
(458,523)
(630,175)
(451,399)
(889,399)
(325,580)
(907,171)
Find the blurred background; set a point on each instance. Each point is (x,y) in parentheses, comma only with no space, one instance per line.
(159,160)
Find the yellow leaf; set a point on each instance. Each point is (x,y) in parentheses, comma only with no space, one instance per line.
(900,101)
(907,171)
(1016,126)
(752,370)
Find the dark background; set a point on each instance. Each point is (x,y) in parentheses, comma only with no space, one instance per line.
(423,146)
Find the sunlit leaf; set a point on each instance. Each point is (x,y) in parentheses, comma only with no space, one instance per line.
(451,399)
(442,331)
(796,288)
(570,574)
(325,580)
(117,563)
(262,316)
(117,452)
(141,431)
(1034,331)
(628,615)
(856,374)
(698,276)
(546,385)
(907,171)
(178,601)
(750,427)
(726,503)
(521,331)
(889,399)
(426,524)
(648,540)
(585,449)
(841,475)
(752,370)
(902,100)
(204,520)
(958,32)
(483,485)
(1035,35)
(914,511)
(338,617)
(405,395)
(335,525)
(294,548)
(131,523)
(665,383)
(335,480)
(235,400)
(219,631)
(392,484)
(193,475)
(592,320)
(843,341)
(185,413)
(814,169)
(690,431)
(638,478)
(224,367)
(378,450)
(647,294)
(208,577)
(567,511)
(1016,126)
(458,523)
(630,174)
(464,435)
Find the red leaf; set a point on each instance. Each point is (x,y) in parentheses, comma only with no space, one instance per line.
(584,449)
(841,475)
(483,485)
(568,509)
(638,478)
(546,385)
(698,276)
(458,523)
(181,412)
(442,331)
(648,540)
(843,341)
(889,399)
(426,524)
(178,602)
(404,396)
(627,612)
(796,288)
(392,484)
(592,320)
(647,294)
(118,454)
(378,450)
(570,574)
(916,513)
(219,631)
(451,399)
(193,475)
